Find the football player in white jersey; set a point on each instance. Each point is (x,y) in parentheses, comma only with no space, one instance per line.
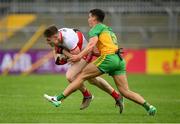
(70,41)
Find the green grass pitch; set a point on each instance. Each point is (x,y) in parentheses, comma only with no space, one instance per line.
(21,100)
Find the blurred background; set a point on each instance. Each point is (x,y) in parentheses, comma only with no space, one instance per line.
(148,30)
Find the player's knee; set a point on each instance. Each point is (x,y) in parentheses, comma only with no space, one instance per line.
(70,78)
(84,76)
(124,91)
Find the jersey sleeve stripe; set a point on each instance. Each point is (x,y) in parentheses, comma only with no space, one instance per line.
(80,42)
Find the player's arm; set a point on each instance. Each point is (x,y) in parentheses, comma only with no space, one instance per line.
(61,50)
(92,42)
(66,53)
(95,51)
(75,51)
(60,60)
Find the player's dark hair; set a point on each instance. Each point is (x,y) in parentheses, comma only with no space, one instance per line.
(51,30)
(98,13)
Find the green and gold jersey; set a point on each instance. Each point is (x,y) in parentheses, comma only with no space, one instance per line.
(107,41)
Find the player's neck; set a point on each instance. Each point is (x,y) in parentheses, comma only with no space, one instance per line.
(96,23)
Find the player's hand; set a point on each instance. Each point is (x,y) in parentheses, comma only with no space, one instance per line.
(96,52)
(74,58)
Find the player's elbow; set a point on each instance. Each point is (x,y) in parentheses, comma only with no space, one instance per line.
(90,47)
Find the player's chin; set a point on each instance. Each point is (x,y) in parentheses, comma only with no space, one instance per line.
(90,25)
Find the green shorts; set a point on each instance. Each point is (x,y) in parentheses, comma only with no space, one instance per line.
(111,64)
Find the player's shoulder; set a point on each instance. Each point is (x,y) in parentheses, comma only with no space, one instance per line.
(96,30)
(98,27)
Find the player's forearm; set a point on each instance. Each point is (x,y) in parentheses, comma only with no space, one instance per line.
(87,50)
(66,53)
(90,46)
(95,51)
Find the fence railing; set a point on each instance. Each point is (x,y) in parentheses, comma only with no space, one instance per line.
(117,10)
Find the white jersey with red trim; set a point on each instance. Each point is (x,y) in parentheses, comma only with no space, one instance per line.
(71,39)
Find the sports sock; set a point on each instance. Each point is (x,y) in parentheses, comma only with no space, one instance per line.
(60,97)
(86,93)
(115,95)
(146,105)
